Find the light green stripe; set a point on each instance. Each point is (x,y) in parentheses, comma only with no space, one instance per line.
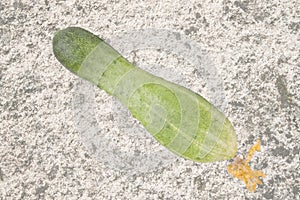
(189,121)
(158,118)
(97,62)
(114,72)
(158,109)
(130,82)
(213,133)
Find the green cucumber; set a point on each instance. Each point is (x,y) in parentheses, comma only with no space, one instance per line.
(181,120)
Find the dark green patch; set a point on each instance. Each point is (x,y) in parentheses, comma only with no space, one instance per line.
(153,94)
(72,45)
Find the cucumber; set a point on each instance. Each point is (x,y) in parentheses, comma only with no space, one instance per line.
(179,119)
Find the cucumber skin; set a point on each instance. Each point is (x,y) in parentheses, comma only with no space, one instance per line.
(73,45)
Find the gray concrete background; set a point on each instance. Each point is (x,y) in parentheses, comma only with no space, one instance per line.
(254,45)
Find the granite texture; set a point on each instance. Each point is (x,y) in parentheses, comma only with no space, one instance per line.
(248,66)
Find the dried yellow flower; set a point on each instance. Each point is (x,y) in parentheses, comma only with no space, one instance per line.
(241,169)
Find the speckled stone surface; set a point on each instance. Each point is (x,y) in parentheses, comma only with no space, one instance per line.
(253,45)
